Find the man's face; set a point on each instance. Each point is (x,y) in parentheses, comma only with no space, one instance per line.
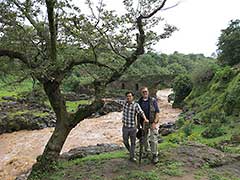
(129,97)
(144,93)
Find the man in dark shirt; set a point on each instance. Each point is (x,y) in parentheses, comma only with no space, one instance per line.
(151,110)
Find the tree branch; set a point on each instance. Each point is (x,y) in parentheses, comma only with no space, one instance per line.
(85,112)
(140,45)
(76,63)
(25,10)
(155,11)
(14,54)
(110,44)
(52,28)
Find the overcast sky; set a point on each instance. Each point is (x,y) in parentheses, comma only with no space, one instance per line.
(199,23)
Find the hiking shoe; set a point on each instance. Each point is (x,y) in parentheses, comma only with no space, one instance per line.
(155,159)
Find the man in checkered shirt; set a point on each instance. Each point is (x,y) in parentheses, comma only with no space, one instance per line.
(130,110)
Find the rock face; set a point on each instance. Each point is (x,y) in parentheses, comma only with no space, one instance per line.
(20,114)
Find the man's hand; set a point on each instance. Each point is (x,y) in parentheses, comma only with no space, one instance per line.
(154,125)
(146,120)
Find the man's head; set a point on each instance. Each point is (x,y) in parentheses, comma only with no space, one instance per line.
(144,92)
(129,96)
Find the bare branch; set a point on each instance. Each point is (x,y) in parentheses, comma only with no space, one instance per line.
(25,11)
(170,7)
(155,11)
(140,45)
(86,61)
(110,44)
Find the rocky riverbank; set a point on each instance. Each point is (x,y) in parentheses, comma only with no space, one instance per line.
(19,114)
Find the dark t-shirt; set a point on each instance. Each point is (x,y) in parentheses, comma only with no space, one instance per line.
(146,107)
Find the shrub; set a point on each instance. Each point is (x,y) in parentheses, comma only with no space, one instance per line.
(187,129)
(203,73)
(229,44)
(214,130)
(182,86)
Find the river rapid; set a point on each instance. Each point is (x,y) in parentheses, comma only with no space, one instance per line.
(19,150)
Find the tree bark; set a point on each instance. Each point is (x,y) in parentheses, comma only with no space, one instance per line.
(64,124)
(47,160)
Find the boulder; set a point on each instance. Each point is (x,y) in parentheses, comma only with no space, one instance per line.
(167,128)
(9,98)
(110,107)
(72,96)
(81,152)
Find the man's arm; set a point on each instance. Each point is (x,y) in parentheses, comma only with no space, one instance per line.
(140,111)
(157,111)
(121,102)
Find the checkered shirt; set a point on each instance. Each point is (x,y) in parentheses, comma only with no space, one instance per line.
(129,113)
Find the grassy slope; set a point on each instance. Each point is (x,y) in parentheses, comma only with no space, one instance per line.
(115,166)
(216,105)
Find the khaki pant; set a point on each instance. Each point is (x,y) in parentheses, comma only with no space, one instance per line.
(151,139)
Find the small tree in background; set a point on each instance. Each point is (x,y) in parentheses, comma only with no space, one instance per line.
(182,86)
(229,44)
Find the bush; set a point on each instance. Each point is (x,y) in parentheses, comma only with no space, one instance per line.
(231,103)
(36,95)
(182,86)
(203,73)
(214,130)
(187,129)
(229,44)
(180,122)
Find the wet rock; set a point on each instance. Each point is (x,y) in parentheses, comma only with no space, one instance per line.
(72,96)
(110,107)
(23,176)
(196,121)
(15,116)
(9,98)
(167,128)
(171,97)
(235,139)
(81,152)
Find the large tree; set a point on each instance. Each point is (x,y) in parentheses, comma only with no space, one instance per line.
(52,37)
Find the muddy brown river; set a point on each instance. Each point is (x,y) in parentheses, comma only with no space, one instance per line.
(18,150)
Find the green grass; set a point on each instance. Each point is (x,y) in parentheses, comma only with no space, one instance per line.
(171,168)
(213,174)
(14,90)
(35,113)
(93,166)
(72,105)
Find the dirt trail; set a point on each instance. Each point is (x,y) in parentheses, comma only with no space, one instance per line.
(18,150)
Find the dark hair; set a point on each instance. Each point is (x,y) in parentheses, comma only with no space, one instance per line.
(129,92)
